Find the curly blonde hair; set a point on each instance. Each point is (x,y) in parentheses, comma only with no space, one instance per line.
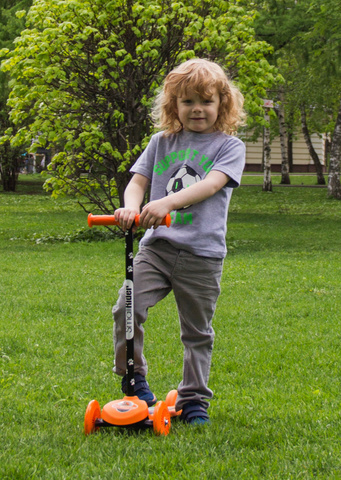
(202,76)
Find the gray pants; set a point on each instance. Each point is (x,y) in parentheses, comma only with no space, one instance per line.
(195,281)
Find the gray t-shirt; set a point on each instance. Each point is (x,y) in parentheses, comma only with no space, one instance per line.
(178,161)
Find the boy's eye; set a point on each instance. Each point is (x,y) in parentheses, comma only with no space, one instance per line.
(188,101)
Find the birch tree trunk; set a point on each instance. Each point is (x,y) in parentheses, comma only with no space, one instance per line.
(318,166)
(290,141)
(334,187)
(283,140)
(267,184)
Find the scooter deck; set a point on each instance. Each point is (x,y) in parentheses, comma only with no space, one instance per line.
(129,412)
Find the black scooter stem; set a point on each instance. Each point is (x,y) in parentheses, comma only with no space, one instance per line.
(129,312)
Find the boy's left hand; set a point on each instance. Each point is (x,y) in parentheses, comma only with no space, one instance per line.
(153,213)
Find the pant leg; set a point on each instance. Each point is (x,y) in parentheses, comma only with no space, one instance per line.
(151,284)
(196,285)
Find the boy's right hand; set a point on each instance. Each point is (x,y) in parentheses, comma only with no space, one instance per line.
(126,217)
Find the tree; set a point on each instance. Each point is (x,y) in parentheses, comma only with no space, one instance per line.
(278,23)
(283,138)
(298,102)
(307,45)
(267,183)
(334,187)
(311,149)
(324,60)
(84,74)
(10,27)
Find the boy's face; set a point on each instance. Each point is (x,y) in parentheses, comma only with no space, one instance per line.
(196,113)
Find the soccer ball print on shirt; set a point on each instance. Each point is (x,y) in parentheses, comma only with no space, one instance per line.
(182,178)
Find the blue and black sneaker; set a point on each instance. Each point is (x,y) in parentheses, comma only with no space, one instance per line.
(195,414)
(141,389)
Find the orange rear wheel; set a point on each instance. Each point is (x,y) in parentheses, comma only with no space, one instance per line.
(170,402)
(92,413)
(161,419)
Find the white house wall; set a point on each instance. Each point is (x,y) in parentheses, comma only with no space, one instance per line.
(301,159)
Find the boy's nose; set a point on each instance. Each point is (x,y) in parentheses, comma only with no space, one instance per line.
(197,107)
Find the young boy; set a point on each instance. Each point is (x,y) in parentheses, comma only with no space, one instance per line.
(192,165)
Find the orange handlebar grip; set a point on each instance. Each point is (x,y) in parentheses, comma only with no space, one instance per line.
(110,220)
(101,220)
(167,220)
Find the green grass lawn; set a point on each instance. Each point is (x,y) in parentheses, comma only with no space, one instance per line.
(296,179)
(276,363)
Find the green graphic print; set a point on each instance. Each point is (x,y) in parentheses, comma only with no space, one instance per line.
(183,177)
(182,155)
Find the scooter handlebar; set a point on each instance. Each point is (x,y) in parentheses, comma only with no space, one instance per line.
(111,220)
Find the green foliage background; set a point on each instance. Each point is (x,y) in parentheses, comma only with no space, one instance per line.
(84,75)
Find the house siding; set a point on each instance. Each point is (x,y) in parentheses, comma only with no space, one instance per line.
(302,162)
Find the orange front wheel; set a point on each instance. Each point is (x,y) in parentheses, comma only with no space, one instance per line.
(161,419)
(92,413)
